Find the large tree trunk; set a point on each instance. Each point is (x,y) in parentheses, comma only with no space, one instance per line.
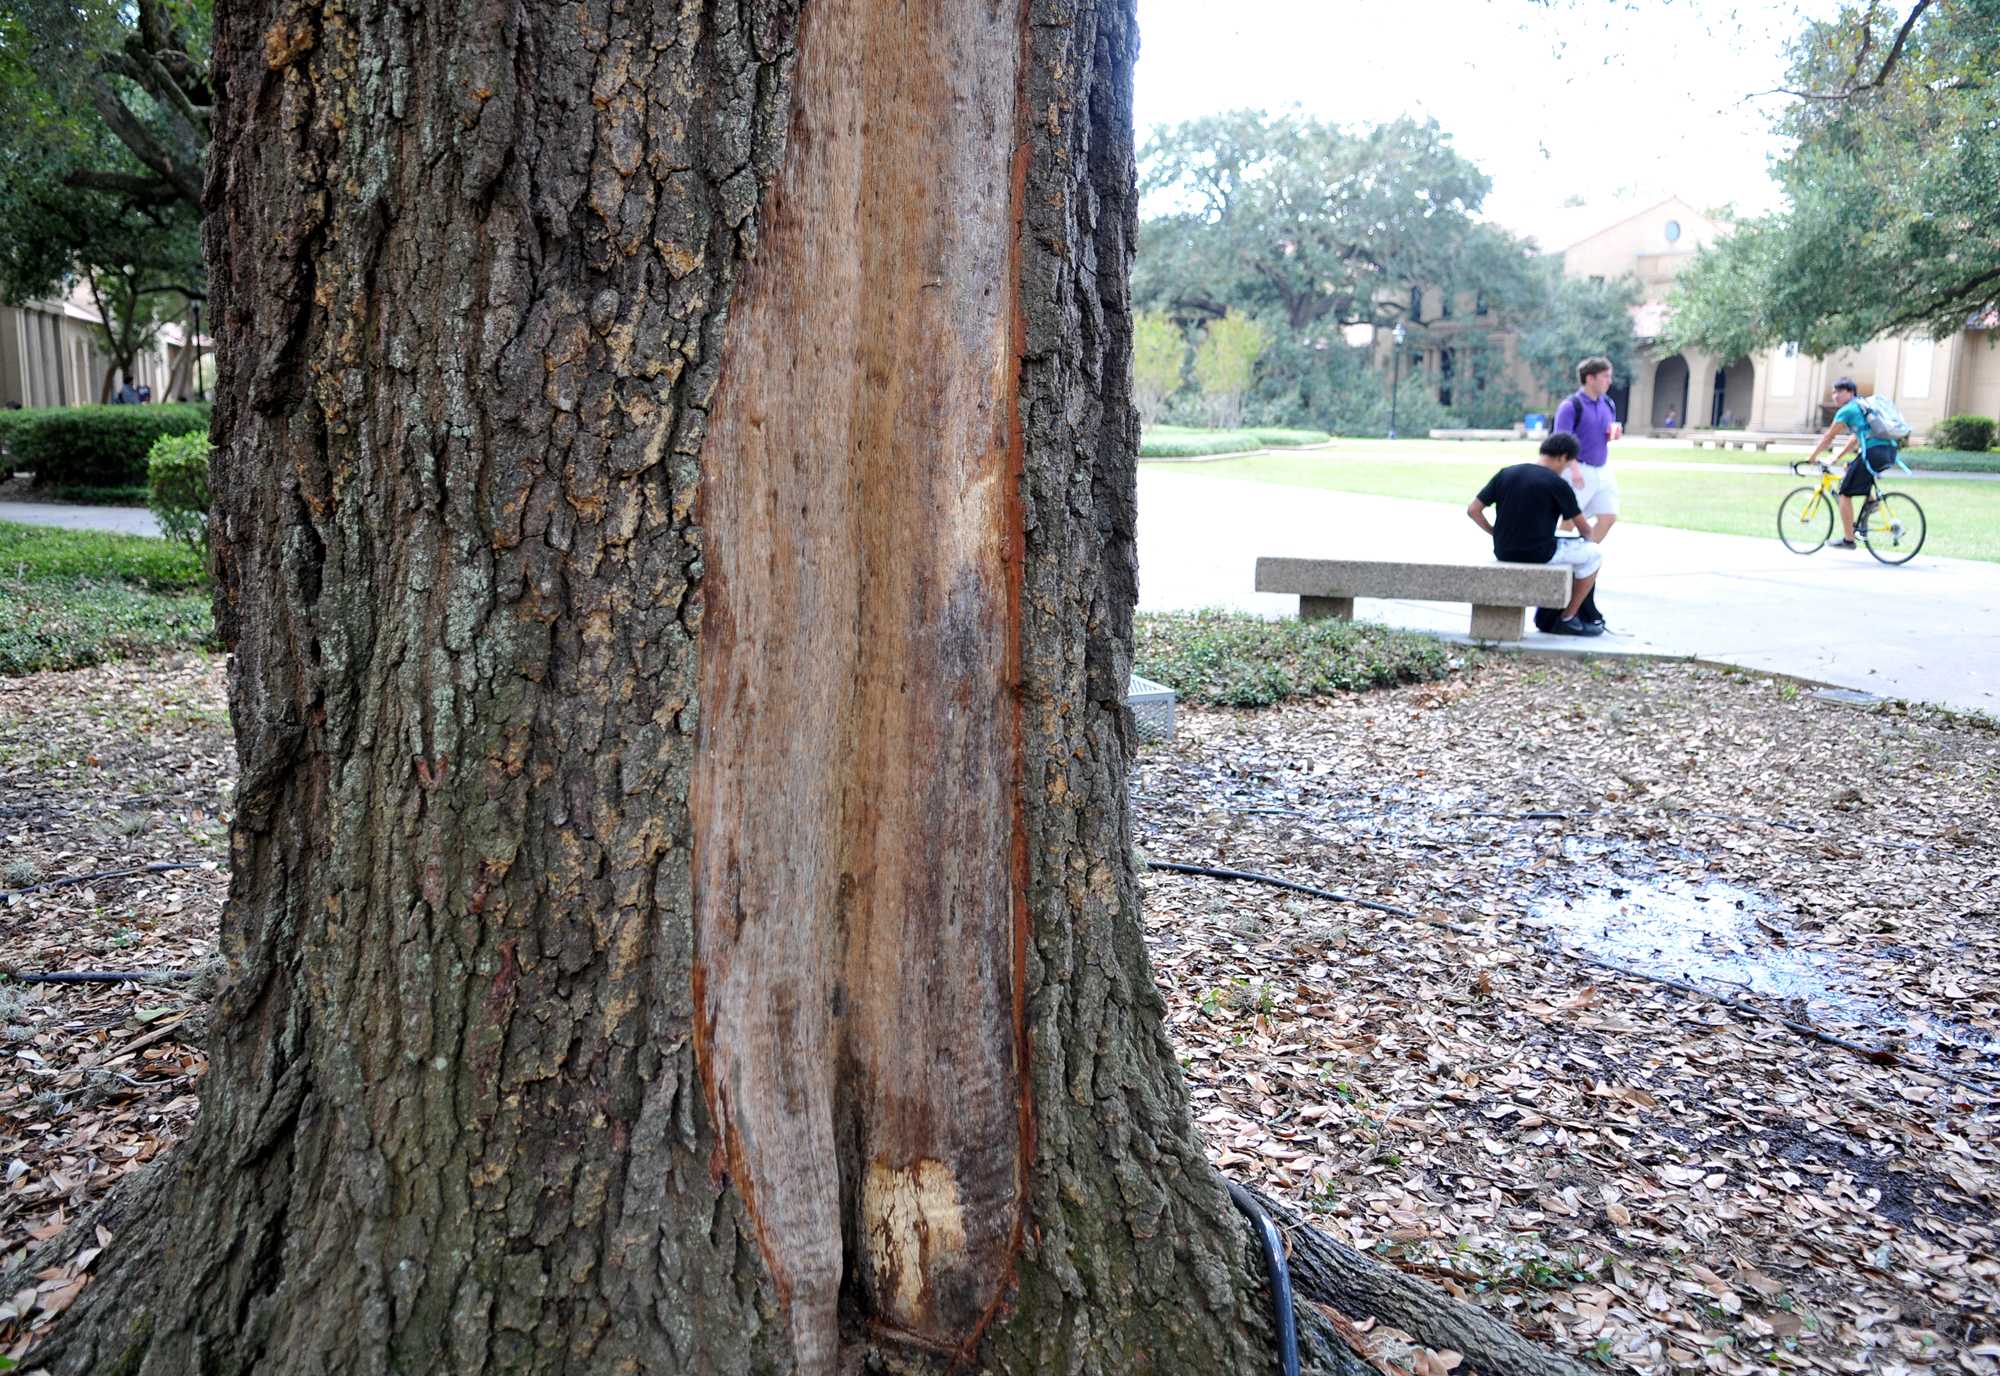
(675,524)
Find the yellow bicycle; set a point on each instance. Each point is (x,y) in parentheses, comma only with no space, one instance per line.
(1891,524)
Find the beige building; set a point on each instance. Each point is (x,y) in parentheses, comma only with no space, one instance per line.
(1778,390)
(52,354)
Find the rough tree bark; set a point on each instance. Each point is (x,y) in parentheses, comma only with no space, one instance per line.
(675,527)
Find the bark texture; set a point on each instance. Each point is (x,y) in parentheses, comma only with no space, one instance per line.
(675,522)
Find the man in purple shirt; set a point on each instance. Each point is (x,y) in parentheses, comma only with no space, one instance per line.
(1589,415)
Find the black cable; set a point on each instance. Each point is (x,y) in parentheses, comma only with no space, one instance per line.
(164,867)
(1213,873)
(1280,1273)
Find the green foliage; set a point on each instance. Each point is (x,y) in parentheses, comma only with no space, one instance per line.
(1224,361)
(177,487)
(11,425)
(1971,433)
(1181,442)
(98,446)
(1159,351)
(1231,659)
(69,598)
(1303,222)
(44,552)
(1580,318)
(104,127)
(1892,220)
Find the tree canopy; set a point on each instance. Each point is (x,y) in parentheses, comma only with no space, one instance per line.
(1893,190)
(104,133)
(1289,215)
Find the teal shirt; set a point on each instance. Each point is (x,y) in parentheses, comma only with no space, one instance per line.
(1856,419)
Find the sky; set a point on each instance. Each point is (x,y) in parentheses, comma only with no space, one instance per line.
(1620,103)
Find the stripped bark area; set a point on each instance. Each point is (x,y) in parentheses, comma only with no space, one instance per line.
(854,788)
(675,525)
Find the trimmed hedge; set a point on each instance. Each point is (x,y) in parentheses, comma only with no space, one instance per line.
(1974,433)
(11,425)
(95,446)
(177,487)
(1232,659)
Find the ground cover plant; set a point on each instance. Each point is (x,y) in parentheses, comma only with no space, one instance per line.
(1635,1174)
(72,597)
(1964,513)
(1232,659)
(1188,441)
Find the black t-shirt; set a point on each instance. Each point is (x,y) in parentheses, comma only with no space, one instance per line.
(1531,500)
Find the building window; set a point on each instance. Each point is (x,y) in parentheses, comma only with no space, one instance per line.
(1416,303)
(1479,303)
(1444,306)
(1673,231)
(1447,366)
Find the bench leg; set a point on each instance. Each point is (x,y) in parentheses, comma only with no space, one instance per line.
(1497,623)
(1320,608)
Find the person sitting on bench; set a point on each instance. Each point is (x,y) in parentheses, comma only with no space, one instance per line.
(1532,497)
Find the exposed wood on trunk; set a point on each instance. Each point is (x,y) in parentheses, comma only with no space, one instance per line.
(854,788)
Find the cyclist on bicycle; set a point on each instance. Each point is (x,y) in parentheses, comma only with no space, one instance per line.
(1877,453)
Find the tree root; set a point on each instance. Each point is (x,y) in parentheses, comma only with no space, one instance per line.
(1331,1273)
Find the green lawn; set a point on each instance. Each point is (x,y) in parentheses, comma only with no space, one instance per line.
(1964,516)
(69,598)
(1498,452)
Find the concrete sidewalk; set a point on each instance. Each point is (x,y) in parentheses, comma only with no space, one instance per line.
(1924,630)
(120,520)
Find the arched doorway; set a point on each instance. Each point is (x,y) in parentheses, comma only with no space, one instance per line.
(1735,389)
(1670,394)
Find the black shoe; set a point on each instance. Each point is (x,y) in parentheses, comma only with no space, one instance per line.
(1595,623)
(1572,626)
(1546,618)
(1841,544)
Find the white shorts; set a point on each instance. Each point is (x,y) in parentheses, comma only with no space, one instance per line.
(1597,494)
(1579,556)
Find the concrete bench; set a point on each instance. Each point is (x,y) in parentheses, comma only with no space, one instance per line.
(1500,594)
(1731,439)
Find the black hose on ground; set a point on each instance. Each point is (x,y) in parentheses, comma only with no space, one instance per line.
(1280,1273)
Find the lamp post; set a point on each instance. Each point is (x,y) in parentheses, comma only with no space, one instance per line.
(1395,375)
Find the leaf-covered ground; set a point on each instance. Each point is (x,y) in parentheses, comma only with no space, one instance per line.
(1634,1173)
(1631,1172)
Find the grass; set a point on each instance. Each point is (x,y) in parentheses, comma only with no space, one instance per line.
(1953,460)
(43,552)
(1187,441)
(1964,516)
(70,598)
(1232,659)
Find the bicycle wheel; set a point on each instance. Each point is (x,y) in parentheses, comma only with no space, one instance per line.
(1895,528)
(1805,520)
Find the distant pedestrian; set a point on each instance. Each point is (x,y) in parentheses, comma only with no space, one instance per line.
(126,395)
(1673,420)
(1590,415)
(1532,497)
(145,394)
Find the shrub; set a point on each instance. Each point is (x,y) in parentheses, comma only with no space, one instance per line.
(11,425)
(38,553)
(1974,433)
(96,446)
(1178,442)
(1233,659)
(177,487)
(1158,353)
(1224,361)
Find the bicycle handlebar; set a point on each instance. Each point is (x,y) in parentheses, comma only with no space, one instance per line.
(1799,466)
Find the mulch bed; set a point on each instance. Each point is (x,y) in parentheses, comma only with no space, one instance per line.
(1632,1172)
(1629,1171)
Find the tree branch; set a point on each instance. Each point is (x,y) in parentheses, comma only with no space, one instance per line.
(1880,78)
(146,191)
(129,131)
